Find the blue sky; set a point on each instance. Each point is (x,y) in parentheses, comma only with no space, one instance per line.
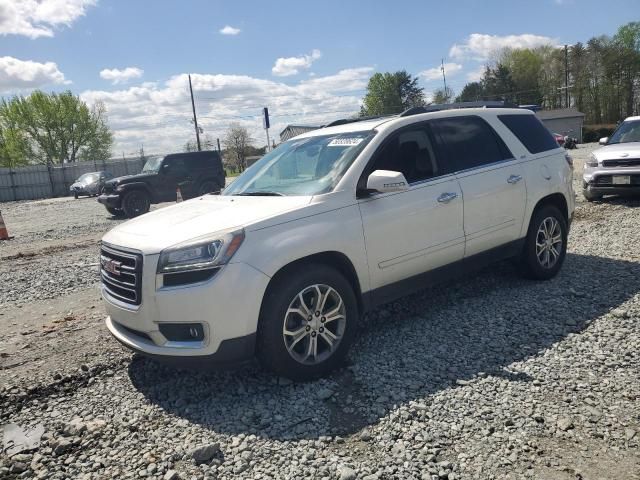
(308,61)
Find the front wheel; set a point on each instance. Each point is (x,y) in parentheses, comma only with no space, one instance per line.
(116,212)
(307,322)
(546,244)
(590,196)
(75,195)
(135,203)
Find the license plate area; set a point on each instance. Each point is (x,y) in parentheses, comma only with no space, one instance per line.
(621,180)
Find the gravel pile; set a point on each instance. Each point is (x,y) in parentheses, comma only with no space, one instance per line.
(489,377)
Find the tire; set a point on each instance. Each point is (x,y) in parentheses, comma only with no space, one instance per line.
(208,187)
(589,196)
(75,195)
(116,212)
(534,263)
(282,307)
(135,203)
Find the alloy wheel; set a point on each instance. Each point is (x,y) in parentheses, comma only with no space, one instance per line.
(314,324)
(549,242)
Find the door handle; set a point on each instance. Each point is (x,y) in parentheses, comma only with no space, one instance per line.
(447,197)
(514,179)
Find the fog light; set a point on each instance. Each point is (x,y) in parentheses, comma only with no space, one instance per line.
(182,332)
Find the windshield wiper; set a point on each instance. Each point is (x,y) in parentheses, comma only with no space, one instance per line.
(260,193)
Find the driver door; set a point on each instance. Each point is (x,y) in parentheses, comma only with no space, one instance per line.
(411,232)
(173,174)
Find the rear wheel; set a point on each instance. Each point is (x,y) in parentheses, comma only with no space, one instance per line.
(307,322)
(135,203)
(116,212)
(546,244)
(208,187)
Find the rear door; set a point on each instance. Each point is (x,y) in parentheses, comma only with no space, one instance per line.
(410,232)
(492,181)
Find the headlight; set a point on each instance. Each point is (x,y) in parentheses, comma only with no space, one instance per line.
(200,253)
(591,162)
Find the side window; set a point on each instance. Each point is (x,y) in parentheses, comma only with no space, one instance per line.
(411,152)
(176,166)
(530,131)
(470,142)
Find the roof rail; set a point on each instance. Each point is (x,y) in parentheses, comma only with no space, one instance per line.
(343,121)
(453,106)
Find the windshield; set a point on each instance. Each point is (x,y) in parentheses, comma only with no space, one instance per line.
(626,132)
(152,165)
(88,178)
(304,166)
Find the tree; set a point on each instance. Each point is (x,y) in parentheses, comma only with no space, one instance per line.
(235,141)
(472,92)
(56,128)
(442,96)
(389,93)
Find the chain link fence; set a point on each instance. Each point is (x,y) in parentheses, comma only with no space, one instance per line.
(42,181)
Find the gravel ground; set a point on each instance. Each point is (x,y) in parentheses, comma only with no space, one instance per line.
(489,377)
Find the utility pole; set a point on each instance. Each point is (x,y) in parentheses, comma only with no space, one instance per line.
(195,119)
(218,140)
(566,75)
(444,78)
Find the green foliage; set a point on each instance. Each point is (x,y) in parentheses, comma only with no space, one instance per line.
(389,93)
(604,77)
(52,128)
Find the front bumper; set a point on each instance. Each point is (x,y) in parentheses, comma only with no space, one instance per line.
(599,181)
(227,306)
(109,200)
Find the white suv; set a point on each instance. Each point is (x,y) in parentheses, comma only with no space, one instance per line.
(330,224)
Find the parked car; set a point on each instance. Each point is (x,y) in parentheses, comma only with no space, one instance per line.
(558,138)
(330,224)
(195,173)
(89,184)
(614,169)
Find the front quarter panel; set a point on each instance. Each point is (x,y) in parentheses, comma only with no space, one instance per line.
(326,226)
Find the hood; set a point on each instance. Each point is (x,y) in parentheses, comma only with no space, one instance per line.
(194,218)
(618,150)
(129,178)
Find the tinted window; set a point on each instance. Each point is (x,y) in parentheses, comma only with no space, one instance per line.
(470,142)
(530,131)
(410,152)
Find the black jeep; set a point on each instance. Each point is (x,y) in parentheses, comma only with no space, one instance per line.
(195,173)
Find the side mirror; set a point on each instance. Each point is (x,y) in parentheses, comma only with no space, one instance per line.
(386,181)
(603,140)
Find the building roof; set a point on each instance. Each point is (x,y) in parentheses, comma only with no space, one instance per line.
(559,113)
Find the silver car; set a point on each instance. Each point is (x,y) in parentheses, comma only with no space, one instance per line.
(89,184)
(614,169)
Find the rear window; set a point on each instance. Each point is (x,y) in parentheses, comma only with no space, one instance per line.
(470,142)
(530,131)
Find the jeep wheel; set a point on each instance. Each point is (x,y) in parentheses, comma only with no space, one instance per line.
(135,203)
(116,212)
(208,187)
(546,244)
(307,322)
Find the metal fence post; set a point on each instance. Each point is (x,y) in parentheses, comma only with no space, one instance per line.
(13,184)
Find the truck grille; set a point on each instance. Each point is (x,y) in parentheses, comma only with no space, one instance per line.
(622,162)
(607,180)
(121,274)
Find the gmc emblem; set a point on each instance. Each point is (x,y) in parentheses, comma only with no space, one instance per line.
(111,266)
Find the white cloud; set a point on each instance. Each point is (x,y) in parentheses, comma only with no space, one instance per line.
(117,76)
(481,46)
(158,115)
(476,75)
(229,30)
(39,18)
(292,65)
(435,73)
(18,74)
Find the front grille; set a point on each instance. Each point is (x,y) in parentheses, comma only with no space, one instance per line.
(622,162)
(109,188)
(121,274)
